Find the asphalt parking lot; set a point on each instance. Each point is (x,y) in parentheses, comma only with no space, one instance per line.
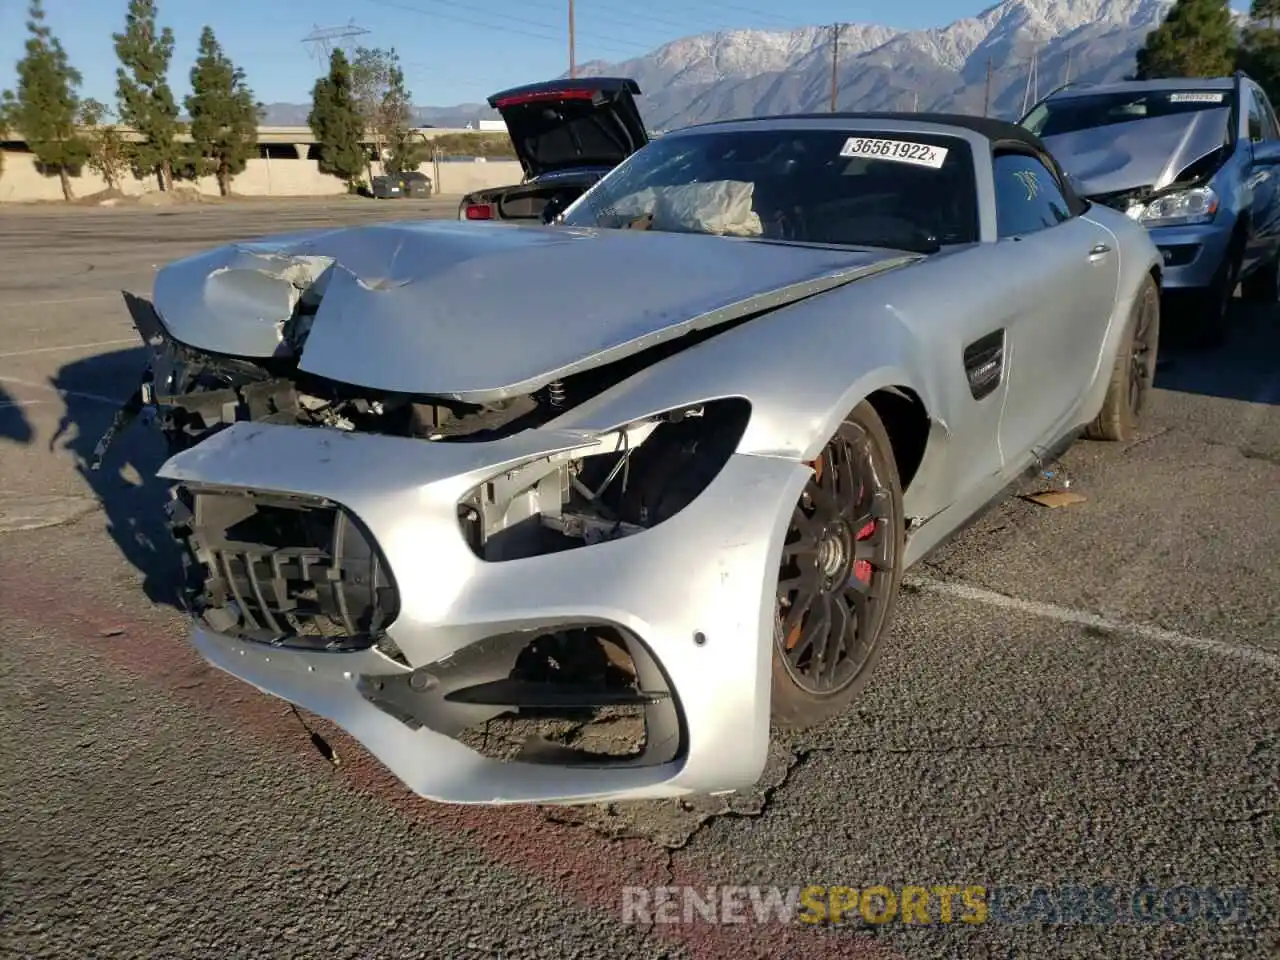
(1073,699)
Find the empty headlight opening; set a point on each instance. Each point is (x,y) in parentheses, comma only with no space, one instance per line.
(636,478)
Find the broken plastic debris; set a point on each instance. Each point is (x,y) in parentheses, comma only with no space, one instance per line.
(1056,498)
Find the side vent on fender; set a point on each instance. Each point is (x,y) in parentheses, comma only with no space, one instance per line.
(984,364)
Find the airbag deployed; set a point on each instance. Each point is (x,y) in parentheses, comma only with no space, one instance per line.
(720,207)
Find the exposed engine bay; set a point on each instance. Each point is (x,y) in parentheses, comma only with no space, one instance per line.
(631,480)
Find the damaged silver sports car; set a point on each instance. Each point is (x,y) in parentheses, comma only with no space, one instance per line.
(570,512)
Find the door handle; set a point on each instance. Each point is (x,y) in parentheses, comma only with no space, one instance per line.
(1099,251)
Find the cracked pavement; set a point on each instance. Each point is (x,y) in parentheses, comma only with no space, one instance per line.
(1093,702)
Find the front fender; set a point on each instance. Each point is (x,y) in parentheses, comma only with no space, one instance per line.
(802,368)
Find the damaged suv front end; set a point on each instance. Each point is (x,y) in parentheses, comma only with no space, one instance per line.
(500,608)
(1193,161)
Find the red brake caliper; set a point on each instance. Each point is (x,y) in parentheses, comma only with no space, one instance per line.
(862,569)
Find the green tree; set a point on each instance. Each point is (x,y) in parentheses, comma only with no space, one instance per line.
(1196,39)
(395,124)
(385,107)
(224,114)
(142,85)
(336,123)
(110,155)
(45,105)
(1265,11)
(1259,54)
(4,128)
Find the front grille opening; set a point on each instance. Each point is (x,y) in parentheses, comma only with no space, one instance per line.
(289,571)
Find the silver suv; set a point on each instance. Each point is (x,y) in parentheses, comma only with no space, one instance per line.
(1195,161)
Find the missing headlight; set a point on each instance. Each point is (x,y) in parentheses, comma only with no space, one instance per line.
(649,471)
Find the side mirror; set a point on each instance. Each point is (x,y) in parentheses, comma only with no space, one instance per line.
(1266,153)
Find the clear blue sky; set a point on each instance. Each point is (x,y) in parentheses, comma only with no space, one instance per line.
(454,51)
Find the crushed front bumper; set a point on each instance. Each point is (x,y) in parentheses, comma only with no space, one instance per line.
(696,592)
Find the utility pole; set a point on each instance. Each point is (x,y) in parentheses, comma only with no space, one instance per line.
(915,102)
(986,98)
(1033,82)
(573,59)
(1071,55)
(835,63)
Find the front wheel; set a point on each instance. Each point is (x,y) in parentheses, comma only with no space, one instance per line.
(839,574)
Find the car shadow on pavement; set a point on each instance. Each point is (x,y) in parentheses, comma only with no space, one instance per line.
(1245,368)
(14,424)
(125,484)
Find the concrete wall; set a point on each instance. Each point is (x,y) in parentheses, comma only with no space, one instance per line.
(264,177)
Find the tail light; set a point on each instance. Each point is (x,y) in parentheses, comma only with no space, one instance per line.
(478,211)
(519,99)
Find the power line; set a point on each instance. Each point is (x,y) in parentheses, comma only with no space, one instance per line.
(753,13)
(616,12)
(553,37)
(322,40)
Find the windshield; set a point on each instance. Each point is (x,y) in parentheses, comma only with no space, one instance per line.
(1069,114)
(906,191)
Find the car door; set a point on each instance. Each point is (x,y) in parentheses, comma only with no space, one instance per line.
(1260,180)
(1059,272)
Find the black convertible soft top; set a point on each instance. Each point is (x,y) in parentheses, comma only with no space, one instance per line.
(997,131)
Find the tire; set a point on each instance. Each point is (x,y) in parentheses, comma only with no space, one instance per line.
(1212,328)
(1133,372)
(856,496)
(1263,285)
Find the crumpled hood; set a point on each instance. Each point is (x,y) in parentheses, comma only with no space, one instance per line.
(1143,153)
(479,311)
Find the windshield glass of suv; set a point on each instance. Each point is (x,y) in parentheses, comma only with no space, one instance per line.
(902,190)
(1069,114)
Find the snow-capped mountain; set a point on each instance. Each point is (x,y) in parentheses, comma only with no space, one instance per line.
(736,73)
(746,72)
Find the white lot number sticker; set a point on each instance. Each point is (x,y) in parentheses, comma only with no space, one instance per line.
(1196,97)
(899,151)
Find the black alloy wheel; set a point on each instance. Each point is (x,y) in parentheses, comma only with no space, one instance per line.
(839,574)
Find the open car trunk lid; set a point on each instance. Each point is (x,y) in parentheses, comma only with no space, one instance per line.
(563,124)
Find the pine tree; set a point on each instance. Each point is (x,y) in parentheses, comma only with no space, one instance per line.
(45,105)
(224,114)
(1197,39)
(336,122)
(142,85)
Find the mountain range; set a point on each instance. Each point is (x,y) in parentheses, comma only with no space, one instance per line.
(736,73)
